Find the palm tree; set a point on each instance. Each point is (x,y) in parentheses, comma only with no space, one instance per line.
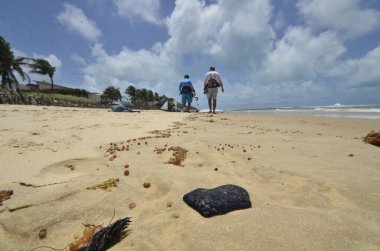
(144,96)
(156,97)
(8,64)
(131,91)
(150,97)
(138,97)
(43,67)
(112,93)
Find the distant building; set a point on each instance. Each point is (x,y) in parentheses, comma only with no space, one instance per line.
(20,86)
(43,85)
(29,87)
(39,85)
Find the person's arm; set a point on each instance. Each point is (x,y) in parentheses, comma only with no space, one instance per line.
(180,87)
(205,81)
(192,88)
(219,79)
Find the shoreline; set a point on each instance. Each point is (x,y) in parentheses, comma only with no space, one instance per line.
(313,183)
(316,114)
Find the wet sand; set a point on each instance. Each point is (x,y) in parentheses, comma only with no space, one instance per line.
(313,183)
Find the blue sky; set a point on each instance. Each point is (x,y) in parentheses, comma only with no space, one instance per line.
(269,53)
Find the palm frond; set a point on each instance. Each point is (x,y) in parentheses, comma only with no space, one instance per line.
(21,72)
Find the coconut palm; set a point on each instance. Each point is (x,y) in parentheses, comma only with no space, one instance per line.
(43,67)
(156,97)
(150,97)
(131,91)
(112,93)
(9,64)
(144,96)
(139,97)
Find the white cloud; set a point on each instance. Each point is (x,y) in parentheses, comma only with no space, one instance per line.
(362,72)
(284,93)
(78,59)
(234,35)
(368,70)
(192,33)
(365,71)
(345,16)
(74,19)
(301,56)
(18,53)
(245,35)
(146,67)
(146,10)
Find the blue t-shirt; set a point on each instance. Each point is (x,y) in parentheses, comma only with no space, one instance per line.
(185,86)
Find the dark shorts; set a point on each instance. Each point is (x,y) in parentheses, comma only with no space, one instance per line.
(187,98)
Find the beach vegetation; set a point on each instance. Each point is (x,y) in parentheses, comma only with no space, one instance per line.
(112,93)
(9,65)
(66,91)
(106,185)
(144,98)
(150,97)
(131,92)
(59,98)
(42,67)
(156,97)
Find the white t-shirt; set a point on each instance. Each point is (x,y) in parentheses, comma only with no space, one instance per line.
(212,75)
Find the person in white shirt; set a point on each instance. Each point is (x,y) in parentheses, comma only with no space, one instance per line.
(211,83)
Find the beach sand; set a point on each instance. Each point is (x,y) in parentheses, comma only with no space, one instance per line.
(313,183)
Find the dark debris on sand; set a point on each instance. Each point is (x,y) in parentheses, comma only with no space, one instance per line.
(372,138)
(5,195)
(219,200)
(106,237)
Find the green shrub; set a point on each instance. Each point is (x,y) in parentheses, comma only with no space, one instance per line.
(60,97)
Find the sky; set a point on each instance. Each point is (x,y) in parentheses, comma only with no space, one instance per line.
(277,53)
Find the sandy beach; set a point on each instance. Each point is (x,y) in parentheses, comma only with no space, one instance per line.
(313,183)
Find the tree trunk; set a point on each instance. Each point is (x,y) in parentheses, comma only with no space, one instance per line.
(52,84)
(3,80)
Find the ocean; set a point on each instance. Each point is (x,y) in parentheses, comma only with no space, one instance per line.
(333,111)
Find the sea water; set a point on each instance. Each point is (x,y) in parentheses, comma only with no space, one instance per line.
(333,111)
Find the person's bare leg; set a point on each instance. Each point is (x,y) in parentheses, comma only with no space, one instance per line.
(214,106)
(209,104)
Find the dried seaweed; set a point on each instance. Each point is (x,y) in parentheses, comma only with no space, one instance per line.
(179,155)
(106,185)
(372,138)
(44,185)
(161,133)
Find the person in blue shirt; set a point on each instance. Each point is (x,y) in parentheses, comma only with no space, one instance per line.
(187,91)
